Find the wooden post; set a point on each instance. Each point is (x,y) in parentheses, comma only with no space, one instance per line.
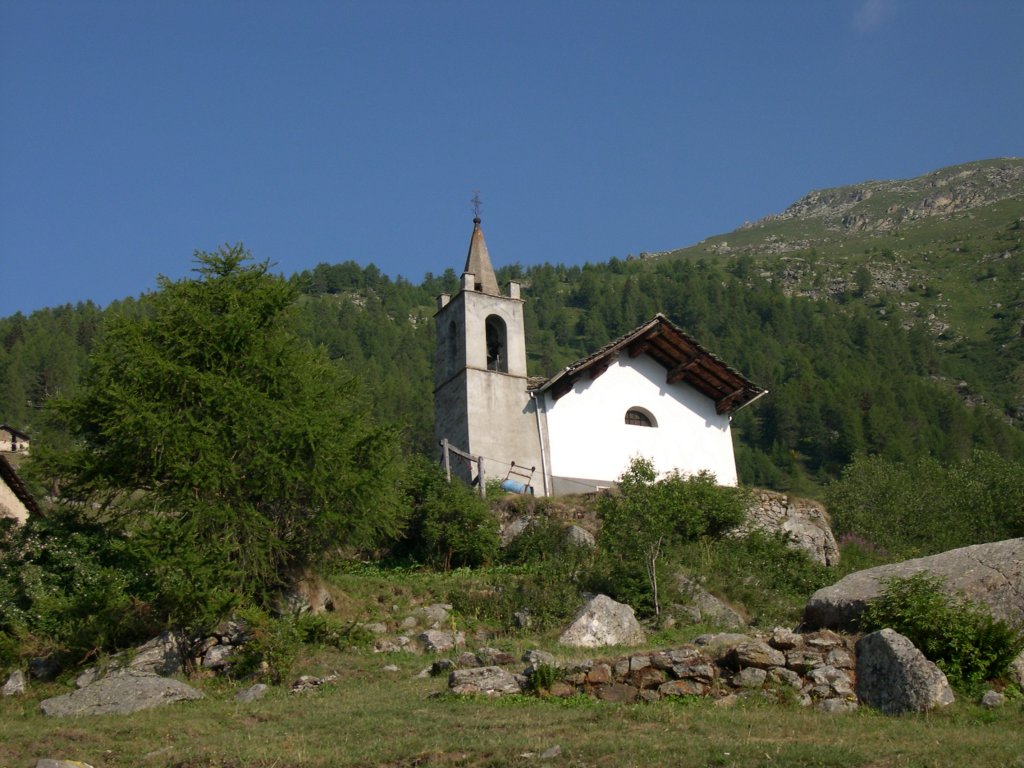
(446,459)
(480,476)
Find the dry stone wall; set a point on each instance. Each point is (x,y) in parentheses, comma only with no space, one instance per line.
(817,669)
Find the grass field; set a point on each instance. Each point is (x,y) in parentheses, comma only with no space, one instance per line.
(374,717)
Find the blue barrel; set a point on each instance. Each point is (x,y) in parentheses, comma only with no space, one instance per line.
(513,486)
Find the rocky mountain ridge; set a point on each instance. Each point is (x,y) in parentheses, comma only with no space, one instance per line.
(885,205)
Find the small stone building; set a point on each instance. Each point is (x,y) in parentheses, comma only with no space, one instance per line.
(655,392)
(13,440)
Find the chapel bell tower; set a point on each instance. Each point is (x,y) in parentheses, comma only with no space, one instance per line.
(481,403)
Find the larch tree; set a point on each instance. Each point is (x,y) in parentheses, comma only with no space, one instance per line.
(221,441)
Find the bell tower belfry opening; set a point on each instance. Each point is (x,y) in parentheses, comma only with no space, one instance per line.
(481,403)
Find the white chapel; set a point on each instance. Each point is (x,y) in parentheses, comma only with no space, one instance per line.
(654,392)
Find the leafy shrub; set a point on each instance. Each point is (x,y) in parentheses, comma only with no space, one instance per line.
(449,524)
(321,629)
(760,572)
(647,515)
(546,585)
(859,554)
(80,588)
(962,638)
(270,647)
(924,507)
(543,676)
(10,651)
(545,592)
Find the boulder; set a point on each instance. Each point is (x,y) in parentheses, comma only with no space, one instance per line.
(894,676)
(536,657)
(434,615)
(992,699)
(15,685)
(783,639)
(163,655)
(750,677)
(494,657)
(720,645)
(490,681)
(514,528)
(252,693)
(705,608)
(218,657)
(757,653)
(989,574)
(307,683)
(120,695)
(1016,670)
(804,524)
(441,641)
(580,537)
(602,621)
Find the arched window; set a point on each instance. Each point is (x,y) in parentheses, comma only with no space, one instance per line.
(497,344)
(640,417)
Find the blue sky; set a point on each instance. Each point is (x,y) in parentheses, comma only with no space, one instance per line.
(134,132)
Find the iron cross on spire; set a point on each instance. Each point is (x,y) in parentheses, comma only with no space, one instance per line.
(476,203)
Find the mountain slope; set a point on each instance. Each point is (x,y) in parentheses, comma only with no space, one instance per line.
(941,252)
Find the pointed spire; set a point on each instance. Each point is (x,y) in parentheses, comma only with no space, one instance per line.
(478,262)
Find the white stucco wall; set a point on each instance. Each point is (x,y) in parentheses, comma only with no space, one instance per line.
(588,436)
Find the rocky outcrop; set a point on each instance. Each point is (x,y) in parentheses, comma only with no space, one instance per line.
(601,622)
(989,574)
(895,677)
(940,193)
(120,695)
(804,523)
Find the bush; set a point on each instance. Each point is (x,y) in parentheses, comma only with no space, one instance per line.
(760,572)
(924,507)
(647,516)
(449,524)
(962,638)
(269,649)
(545,592)
(74,587)
(320,629)
(543,676)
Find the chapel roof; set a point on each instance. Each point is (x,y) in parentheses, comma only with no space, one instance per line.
(683,358)
(478,262)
